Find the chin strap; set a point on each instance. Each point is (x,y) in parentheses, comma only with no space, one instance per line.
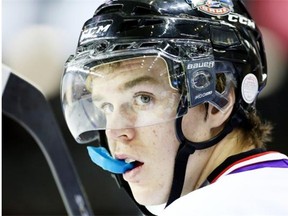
(188,147)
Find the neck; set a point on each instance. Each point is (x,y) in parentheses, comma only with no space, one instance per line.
(232,144)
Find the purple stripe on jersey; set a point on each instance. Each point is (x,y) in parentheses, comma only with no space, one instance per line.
(266,164)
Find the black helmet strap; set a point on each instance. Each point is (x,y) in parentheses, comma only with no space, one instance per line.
(188,147)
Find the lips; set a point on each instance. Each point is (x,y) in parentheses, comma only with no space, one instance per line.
(137,164)
(131,175)
(129,159)
(134,162)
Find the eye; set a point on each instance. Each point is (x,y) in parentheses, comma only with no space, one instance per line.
(143,99)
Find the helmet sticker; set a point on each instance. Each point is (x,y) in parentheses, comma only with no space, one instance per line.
(212,7)
(249,88)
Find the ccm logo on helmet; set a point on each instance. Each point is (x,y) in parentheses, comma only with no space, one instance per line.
(241,19)
(99,30)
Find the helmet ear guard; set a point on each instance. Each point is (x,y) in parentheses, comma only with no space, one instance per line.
(201,81)
(202,77)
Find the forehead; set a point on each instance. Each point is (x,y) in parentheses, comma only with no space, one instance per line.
(143,64)
(151,69)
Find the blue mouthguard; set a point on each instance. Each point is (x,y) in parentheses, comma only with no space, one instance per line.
(101,157)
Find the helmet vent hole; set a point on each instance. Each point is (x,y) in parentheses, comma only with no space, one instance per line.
(121,47)
(133,24)
(138,10)
(151,22)
(224,37)
(144,45)
(109,9)
(128,25)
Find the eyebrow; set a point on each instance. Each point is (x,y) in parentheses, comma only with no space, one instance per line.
(139,80)
(130,84)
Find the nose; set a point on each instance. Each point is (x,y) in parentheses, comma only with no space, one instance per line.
(120,124)
(123,135)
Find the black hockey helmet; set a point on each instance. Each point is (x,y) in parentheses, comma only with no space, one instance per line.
(216,35)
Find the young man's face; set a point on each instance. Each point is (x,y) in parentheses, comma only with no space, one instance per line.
(140,108)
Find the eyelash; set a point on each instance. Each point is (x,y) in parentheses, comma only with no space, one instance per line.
(144,104)
(108,107)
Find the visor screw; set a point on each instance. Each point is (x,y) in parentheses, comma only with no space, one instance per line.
(101,47)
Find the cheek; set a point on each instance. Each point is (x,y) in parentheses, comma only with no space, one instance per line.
(164,149)
(157,146)
(159,143)
(159,165)
(165,139)
(194,126)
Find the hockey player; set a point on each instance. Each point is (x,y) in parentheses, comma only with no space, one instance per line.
(171,86)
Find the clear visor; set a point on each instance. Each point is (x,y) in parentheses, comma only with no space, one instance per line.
(129,93)
(145,87)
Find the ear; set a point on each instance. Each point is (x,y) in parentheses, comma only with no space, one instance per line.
(216,117)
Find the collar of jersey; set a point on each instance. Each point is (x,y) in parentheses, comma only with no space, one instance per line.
(243,159)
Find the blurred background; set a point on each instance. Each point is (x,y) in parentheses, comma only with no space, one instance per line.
(37,38)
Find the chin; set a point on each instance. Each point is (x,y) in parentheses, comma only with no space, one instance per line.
(149,197)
